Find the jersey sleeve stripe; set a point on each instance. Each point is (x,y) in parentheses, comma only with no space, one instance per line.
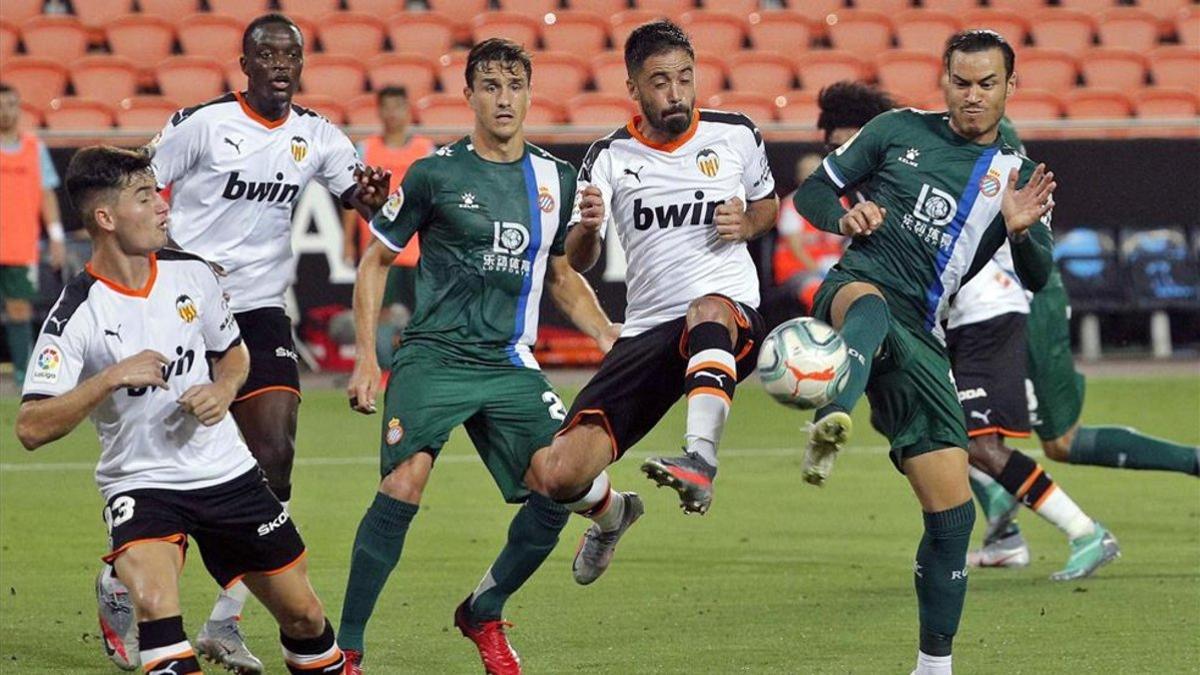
(71,299)
(833,173)
(383,237)
(218,353)
(535,240)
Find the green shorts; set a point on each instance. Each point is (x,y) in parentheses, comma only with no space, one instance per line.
(508,412)
(1057,398)
(914,402)
(16,283)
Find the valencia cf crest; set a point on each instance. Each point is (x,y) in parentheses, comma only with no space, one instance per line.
(545,200)
(394,431)
(299,149)
(708,162)
(989,185)
(186,308)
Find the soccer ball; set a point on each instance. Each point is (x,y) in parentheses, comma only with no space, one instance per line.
(803,363)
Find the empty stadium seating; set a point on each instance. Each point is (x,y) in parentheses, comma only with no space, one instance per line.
(190,79)
(1176,66)
(213,35)
(558,75)
(1114,67)
(357,35)
(313,10)
(719,32)
(103,78)
(59,38)
(10,35)
(144,39)
(581,33)
(865,32)
(1046,68)
(37,80)
(341,77)
(760,108)
(421,32)
(763,72)
(243,11)
(599,109)
(783,32)
(145,113)
(924,30)
(416,73)
(78,114)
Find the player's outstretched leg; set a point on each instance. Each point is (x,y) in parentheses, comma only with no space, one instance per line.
(1124,448)
(612,513)
(151,572)
(860,314)
(1003,544)
(532,535)
(305,634)
(118,628)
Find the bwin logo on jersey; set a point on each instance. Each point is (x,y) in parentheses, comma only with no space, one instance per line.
(266,191)
(509,238)
(934,206)
(698,212)
(182,363)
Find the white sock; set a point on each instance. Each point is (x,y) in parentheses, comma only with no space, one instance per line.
(711,375)
(230,602)
(110,582)
(932,665)
(286,504)
(601,504)
(1065,514)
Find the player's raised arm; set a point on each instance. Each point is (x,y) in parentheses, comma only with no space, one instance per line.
(1026,212)
(592,207)
(819,198)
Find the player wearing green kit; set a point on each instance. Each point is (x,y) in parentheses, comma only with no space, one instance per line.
(492,213)
(944,196)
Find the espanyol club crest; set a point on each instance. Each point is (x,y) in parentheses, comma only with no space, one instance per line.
(299,148)
(989,185)
(708,162)
(186,308)
(545,200)
(394,431)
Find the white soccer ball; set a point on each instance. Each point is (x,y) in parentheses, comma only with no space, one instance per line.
(803,363)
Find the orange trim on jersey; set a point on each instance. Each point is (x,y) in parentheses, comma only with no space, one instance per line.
(603,417)
(739,319)
(179,539)
(187,653)
(712,364)
(713,391)
(317,665)
(142,292)
(669,146)
(1049,491)
(274,387)
(1028,482)
(1008,433)
(250,112)
(745,350)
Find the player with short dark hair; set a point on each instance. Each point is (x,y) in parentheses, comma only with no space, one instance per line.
(943,197)
(492,212)
(130,343)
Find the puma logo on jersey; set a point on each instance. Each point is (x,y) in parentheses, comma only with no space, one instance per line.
(58,324)
(167,669)
(114,333)
(675,215)
(982,416)
(631,172)
(236,146)
(266,191)
(719,378)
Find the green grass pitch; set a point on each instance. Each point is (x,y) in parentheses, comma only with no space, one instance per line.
(779,577)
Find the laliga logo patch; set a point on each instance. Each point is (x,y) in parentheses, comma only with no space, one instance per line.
(509,238)
(545,200)
(392,208)
(989,185)
(394,431)
(299,148)
(186,308)
(708,162)
(47,366)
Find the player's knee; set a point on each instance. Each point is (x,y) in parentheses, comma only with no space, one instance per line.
(154,601)
(1058,449)
(551,477)
(706,309)
(406,482)
(988,454)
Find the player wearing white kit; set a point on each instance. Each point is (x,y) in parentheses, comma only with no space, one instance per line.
(129,343)
(686,189)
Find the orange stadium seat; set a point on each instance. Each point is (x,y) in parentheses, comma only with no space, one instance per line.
(171,10)
(78,114)
(30,117)
(421,32)
(799,107)
(10,35)
(516,27)
(97,13)
(1013,26)
(192,79)
(1097,104)
(760,108)
(144,39)
(890,7)
(819,69)
(148,113)
(313,10)
(308,28)
(1017,5)
(910,73)
(1176,66)
(1187,26)
(17,11)
(352,34)
(379,8)
(37,80)
(711,71)
(720,32)
(57,37)
(598,109)
(212,35)
(444,110)
(104,78)
(763,72)
(329,107)
(244,11)
(451,70)
(544,112)
(341,77)
(608,73)
(463,8)
(584,34)
(818,11)
(866,33)
(1089,6)
(416,73)
(560,75)
(601,7)
(739,7)
(1064,29)
(1128,27)
(1045,68)
(235,79)
(363,111)
(1116,68)
(1166,102)
(955,7)
(668,8)
(924,30)
(534,9)
(781,31)
(1033,104)
(1163,9)
(623,24)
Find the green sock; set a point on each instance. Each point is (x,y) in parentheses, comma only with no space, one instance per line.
(940,576)
(376,551)
(1127,448)
(20,345)
(532,535)
(863,330)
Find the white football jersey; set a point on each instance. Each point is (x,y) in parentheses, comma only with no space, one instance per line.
(234,179)
(662,199)
(146,439)
(995,290)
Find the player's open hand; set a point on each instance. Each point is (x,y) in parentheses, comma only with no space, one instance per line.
(1023,207)
(364,385)
(207,402)
(862,219)
(730,218)
(591,209)
(144,369)
(371,186)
